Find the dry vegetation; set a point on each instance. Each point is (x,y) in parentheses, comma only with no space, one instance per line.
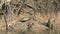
(29,16)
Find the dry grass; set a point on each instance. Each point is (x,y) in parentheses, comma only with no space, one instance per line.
(37,16)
